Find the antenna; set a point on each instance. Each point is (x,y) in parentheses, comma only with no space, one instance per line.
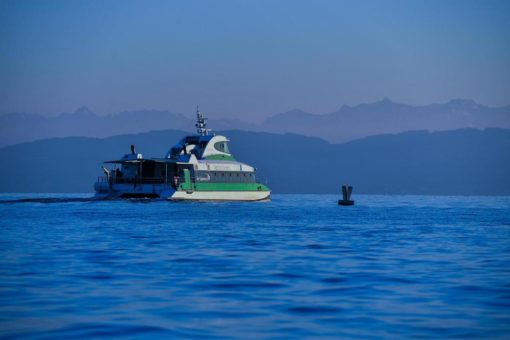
(201,126)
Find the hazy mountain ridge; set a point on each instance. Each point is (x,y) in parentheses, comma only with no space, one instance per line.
(460,162)
(17,128)
(353,122)
(348,123)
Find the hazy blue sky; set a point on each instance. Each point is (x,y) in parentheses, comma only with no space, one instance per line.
(250,58)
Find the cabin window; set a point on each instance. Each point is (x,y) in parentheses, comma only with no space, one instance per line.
(203,176)
(221,146)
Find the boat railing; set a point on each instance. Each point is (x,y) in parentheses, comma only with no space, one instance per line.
(135,180)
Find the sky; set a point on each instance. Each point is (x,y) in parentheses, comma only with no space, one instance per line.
(250,59)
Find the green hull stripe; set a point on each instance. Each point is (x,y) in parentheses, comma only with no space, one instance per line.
(223,187)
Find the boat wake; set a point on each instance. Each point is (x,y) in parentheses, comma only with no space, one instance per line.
(51,200)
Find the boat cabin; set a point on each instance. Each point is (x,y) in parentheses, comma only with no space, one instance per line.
(202,147)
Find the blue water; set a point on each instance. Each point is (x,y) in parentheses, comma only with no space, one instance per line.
(298,266)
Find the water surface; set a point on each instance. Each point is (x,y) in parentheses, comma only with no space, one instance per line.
(298,266)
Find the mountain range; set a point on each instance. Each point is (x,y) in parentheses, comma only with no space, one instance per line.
(346,124)
(386,116)
(460,162)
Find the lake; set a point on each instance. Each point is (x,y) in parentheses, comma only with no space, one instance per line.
(297,266)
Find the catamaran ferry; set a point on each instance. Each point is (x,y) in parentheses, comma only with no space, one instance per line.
(199,167)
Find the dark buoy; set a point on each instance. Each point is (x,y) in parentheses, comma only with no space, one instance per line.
(346,196)
(132,149)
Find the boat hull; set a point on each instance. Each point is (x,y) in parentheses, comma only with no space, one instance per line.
(115,191)
(221,195)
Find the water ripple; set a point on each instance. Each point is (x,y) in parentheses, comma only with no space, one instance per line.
(298,266)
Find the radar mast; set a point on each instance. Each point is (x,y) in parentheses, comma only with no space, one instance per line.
(201,126)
